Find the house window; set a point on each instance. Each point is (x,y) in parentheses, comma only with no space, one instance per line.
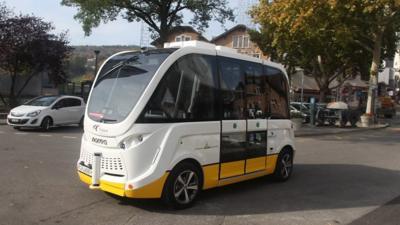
(241,41)
(182,38)
(246,42)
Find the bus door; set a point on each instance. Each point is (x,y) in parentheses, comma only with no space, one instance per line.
(257,103)
(233,124)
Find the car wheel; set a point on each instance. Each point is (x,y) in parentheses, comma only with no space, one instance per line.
(46,124)
(183,186)
(17,128)
(284,166)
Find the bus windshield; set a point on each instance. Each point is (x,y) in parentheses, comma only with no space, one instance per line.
(121,82)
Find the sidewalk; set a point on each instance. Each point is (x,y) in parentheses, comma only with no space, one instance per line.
(308,131)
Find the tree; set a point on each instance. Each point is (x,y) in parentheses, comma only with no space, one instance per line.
(330,36)
(76,66)
(374,25)
(27,48)
(160,15)
(307,34)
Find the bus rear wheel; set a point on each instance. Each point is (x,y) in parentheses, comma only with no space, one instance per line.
(183,186)
(284,165)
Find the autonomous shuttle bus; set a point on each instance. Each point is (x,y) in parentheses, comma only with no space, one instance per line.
(168,123)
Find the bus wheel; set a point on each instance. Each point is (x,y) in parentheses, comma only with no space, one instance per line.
(284,165)
(183,186)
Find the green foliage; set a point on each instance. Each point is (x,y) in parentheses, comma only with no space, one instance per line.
(328,39)
(76,66)
(160,15)
(27,48)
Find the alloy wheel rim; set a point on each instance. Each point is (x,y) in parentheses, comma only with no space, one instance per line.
(186,187)
(286,165)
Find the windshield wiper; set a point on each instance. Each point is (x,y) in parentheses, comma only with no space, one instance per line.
(105,120)
(119,65)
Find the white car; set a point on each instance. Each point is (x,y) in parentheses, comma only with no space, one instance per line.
(48,111)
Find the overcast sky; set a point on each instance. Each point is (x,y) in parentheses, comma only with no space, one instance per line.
(118,32)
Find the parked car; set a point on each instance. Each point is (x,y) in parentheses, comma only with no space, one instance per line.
(47,111)
(303,108)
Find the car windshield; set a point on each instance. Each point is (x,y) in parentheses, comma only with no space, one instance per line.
(42,101)
(121,82)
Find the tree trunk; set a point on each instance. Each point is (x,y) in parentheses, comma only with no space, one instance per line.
(373,79)
(3,100)
(12,101)
(322,93)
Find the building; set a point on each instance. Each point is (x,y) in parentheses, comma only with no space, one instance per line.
(238,38)
(180,33)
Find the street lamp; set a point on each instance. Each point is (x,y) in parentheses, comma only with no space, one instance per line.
(96,52)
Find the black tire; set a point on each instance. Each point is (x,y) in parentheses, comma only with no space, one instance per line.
(353,121)
(17,128)
(183,186)
(284,165)
(46,124)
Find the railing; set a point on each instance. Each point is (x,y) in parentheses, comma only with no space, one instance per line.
(3,116)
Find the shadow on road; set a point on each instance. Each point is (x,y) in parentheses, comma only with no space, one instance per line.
(71,129)
(312,187)
(387,214)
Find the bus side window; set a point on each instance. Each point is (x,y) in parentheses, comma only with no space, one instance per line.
(256,91)
(278,93)
(232,88)
(187,92)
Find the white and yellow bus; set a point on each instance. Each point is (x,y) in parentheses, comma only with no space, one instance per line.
(168,123)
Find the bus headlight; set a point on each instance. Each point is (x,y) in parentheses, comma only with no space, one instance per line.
(130,141)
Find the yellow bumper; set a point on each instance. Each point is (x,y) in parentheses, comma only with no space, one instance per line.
(151,190)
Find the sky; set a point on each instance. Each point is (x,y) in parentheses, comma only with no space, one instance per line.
(118,32)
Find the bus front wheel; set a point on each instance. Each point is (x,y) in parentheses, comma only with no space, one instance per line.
(183,186)
(284,165)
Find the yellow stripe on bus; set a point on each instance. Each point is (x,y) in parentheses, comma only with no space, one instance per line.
(231,172)
(231,169)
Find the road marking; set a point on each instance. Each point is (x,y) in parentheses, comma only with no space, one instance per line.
(19,133)
(70,137)
(45,135)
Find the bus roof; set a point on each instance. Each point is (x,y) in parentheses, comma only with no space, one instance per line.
(223,51)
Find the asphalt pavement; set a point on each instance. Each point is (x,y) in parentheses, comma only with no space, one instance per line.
(349,178)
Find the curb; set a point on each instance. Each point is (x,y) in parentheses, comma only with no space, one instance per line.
(341,132)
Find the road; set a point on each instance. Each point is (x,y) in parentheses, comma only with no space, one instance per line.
(338,179)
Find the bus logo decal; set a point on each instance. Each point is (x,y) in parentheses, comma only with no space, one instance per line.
(99,141)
